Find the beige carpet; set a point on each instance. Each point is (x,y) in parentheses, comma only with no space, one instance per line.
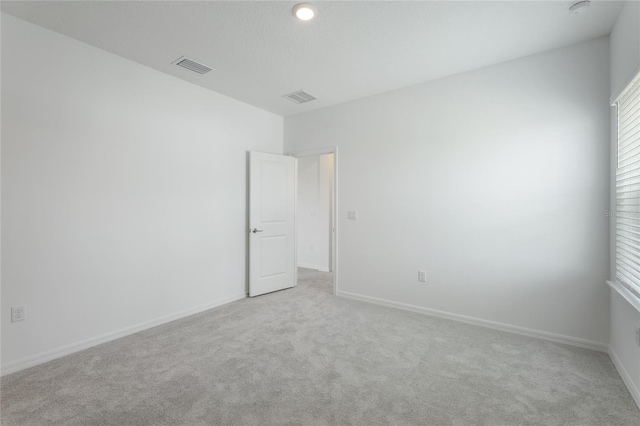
(305,357)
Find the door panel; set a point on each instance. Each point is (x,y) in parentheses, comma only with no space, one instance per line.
(272,222)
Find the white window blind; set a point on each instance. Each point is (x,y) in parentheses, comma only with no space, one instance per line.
(628,188)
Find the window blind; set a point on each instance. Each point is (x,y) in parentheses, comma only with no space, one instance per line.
(628,188)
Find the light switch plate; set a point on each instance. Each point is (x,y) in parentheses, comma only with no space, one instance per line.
(352,215)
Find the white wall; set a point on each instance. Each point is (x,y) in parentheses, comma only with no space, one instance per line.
(494,181)
(625,46)
(314,211)
(123,193)
(625,63)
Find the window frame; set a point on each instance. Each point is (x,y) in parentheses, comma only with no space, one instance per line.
(632,286)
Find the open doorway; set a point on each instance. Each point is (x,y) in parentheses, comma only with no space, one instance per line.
(316,230)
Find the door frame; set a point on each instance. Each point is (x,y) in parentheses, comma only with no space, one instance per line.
(334,240)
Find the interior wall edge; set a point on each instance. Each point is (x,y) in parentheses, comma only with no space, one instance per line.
(539,334)
(50,355)
(625,376)
(316,267)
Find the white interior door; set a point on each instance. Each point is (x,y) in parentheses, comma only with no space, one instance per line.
(271,223)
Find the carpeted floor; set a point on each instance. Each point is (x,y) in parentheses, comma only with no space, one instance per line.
(305,357)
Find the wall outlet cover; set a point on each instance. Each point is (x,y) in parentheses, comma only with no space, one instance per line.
(422,276)
(18,313)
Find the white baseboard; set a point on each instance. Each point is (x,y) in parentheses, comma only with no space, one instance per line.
(61,351)
(626,378)
(316,267)
(558,338)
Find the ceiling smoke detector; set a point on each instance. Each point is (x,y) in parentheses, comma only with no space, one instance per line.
(580,7)
(192,65)
(299,97)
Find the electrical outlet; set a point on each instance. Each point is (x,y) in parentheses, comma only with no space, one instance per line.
(18,313)
(352,215)
(422,276)
(638,336)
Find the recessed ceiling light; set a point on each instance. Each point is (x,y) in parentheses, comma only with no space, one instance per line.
(580,7)
(304,11)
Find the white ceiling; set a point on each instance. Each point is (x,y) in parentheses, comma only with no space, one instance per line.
(351,50)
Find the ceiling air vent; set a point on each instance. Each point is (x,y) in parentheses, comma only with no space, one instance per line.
(192,65)
(299,97)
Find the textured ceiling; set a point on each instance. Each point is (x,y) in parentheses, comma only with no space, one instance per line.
(351,50)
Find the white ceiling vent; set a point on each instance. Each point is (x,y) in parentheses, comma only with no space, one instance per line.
(192,65)
(299,97)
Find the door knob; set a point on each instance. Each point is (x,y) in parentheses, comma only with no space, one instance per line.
(254,230)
